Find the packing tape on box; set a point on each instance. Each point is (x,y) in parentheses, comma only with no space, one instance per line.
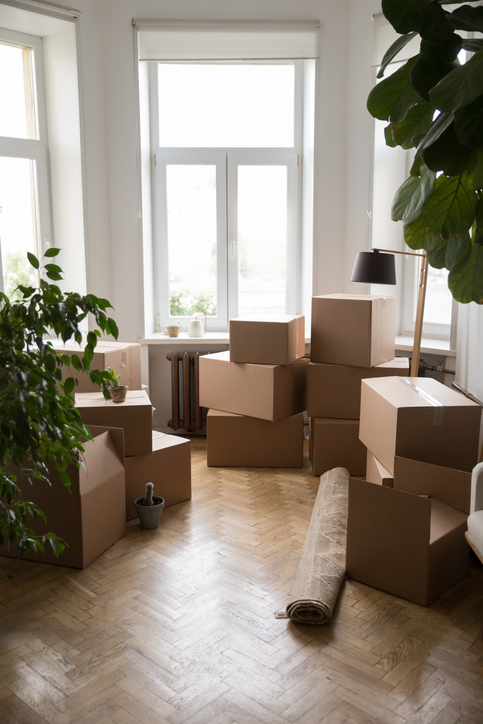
(439,407)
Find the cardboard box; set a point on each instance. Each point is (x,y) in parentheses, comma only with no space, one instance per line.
(123,357)
(335,390)
(411,546)
(334,444)
(239,441)
(168,468)
(92,516)
(377,473)
(353,329)
(135,416)
(419,418)
(449,486)
(272,342)
(269,392)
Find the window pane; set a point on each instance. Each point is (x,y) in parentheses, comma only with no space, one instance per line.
(226,105)
(17,221)
(439,301)
(262,240)
(192,236)
(16,110)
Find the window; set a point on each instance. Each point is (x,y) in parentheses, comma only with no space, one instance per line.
(25,223)
(227,141)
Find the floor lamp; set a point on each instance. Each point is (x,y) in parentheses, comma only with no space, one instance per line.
(377,267)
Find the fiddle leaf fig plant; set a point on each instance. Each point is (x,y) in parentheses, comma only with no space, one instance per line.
(40,429)
(434,104)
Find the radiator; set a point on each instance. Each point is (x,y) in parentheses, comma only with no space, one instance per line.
(186,411)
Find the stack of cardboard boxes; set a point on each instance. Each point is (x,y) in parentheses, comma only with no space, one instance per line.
(124,454)
(408,517)
(256,394)
(353,337)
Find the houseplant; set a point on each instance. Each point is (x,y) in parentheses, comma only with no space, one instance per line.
(149,508)
(39,426)
(435,105)
(116,391)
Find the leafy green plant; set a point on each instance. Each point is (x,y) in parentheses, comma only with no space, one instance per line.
(40,429)
(435,105)
(113,379)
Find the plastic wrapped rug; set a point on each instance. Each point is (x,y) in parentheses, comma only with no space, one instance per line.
(321,569)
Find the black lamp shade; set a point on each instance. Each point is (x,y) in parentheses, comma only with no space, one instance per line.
(372,267)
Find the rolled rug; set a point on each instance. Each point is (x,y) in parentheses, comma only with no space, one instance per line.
(321,569)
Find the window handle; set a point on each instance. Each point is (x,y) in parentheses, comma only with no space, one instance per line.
(232,248)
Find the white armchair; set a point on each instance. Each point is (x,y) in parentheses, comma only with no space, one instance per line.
(474,535)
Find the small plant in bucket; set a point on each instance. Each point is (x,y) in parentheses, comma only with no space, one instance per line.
(149,508)
(113,389)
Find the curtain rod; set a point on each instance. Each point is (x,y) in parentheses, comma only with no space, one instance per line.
(47,7)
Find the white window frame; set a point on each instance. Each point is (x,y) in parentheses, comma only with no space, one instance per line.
(231,158)
(35,149)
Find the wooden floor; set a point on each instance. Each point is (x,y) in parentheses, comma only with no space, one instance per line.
(177,625)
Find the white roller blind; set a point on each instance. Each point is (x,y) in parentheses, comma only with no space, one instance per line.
(178,40)
(384,36)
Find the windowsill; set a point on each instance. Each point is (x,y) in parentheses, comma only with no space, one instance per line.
(428,346)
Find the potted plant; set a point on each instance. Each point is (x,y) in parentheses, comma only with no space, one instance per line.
(40,428)
(116,391)
(435,105)
(149,508)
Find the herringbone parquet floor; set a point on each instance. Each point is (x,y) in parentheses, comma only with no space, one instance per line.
(177,625)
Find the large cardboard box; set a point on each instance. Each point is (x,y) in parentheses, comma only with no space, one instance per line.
(449,486)
(377,473)
(135,416)
(408,545)
(419,418)
(273,342)
(269,392)
(335,443)
(123,357)
(92,516)
(353,329)
(239,441)
(168,468)
(335,390)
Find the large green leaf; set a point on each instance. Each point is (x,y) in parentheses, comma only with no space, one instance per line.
(459,87)
(395,48)
(473,45)
(467,18)
(447,154)
(393,96)
(442,53)
(411,195)
(465,279)
(439,126)
(457,250)
(479,215)
(405,15)
(435,26)
(475,170)
(388,137)
(436,255)
(468,123)
(417,122)
(425,75)
(450,210)
(414,234)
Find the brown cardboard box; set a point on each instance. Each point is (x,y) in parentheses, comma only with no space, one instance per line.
(419,418)
(269,392)
(353,329)
(335,390)
(335,443)
(449,486)
(123,357)
(239,441)
(411,546)
(92,516)
(271,342)
(135,416)
(377,473)
(168,468)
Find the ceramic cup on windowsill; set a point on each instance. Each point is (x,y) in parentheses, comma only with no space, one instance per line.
(173,330)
